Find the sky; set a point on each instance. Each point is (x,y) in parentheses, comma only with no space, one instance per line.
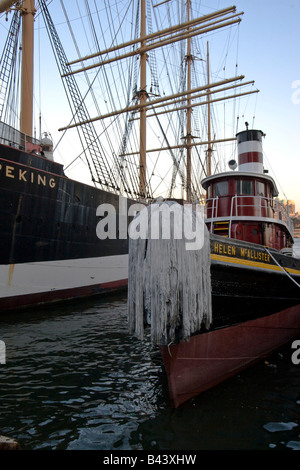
(269,53)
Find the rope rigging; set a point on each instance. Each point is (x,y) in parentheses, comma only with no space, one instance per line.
(9,72)
(97,156)
(111,149)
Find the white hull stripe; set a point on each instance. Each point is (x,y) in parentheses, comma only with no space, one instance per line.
(32,278)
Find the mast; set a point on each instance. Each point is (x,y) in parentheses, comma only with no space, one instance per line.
(143,100)
(209,148)
(189,113)
(27,12)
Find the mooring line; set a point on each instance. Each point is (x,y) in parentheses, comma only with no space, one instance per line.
(281,267)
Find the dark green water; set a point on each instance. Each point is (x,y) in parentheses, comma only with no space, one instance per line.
(75,379)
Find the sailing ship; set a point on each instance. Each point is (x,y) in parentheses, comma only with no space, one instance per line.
(50,249)
(63,239)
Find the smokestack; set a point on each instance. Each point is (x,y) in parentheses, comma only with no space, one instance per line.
(250,152)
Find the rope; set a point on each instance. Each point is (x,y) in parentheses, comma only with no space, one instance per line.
(281,267)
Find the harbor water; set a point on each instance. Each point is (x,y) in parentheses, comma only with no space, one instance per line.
(74,379)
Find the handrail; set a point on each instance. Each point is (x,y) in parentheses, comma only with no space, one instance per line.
(14,138)
(214,209)
(237,204)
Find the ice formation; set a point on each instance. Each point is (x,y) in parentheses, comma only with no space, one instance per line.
(169,285)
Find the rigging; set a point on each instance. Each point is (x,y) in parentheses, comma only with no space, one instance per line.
(100,164)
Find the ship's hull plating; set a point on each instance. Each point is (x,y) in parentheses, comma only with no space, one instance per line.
(29,284)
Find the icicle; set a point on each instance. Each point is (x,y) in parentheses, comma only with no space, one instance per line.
(169,283)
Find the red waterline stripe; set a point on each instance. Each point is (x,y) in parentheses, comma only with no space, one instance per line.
(43,298)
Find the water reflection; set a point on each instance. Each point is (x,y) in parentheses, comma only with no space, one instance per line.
(235,415)
(73,370)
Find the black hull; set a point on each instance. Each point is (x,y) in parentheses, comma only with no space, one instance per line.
(247,282)
(49,220)
(45,216)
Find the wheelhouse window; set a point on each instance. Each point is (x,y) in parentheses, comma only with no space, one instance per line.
(260,188)
(244,187)
(221,189)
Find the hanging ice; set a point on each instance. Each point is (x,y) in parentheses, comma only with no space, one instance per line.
(169,284)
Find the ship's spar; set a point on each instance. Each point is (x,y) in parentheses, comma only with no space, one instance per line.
(185,31)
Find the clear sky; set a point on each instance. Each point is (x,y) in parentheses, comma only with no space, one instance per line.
(269,53)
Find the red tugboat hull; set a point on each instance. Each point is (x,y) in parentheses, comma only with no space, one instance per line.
(212,357)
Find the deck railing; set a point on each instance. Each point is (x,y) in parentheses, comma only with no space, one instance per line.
(249,206)
(14,138)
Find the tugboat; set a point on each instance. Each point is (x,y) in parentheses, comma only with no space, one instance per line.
(255,279)
(251,233)
(251,292)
